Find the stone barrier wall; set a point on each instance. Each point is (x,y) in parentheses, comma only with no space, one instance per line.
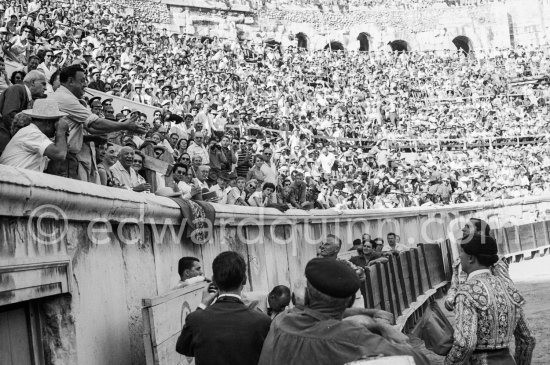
(87,255)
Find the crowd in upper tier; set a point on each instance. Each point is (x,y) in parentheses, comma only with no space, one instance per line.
(258,125)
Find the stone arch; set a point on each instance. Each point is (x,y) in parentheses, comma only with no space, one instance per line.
(335,46)
(463,43)
(364,41)
(303,40)
(400,45)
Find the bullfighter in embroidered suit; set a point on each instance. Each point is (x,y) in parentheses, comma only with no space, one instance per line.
(488,311)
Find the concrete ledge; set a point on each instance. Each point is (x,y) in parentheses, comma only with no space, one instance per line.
(22,191)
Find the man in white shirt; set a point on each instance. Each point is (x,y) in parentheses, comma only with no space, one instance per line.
(31,146)
(326,160)
(68,95)
(268,168)
(196,148)
(126,175)
(189,271)
(221,189)
(393,245)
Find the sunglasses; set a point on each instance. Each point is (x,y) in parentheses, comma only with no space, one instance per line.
(185,158)
(252,186)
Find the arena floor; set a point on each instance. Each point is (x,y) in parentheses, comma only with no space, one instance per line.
(532,278)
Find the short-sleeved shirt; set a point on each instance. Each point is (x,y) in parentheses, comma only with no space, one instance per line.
(127,178)
(26,149)
(78,116)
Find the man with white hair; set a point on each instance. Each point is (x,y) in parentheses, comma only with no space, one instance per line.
(17,98)
(123,171)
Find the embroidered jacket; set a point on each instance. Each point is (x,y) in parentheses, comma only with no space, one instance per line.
(499,269)
(488,314)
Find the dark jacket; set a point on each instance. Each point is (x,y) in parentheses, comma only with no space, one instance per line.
(304,336)
(226,333)
(12,101)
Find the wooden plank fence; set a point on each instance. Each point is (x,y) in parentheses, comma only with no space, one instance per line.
(402,286)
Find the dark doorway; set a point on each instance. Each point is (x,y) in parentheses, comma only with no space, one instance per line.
(400,46)
(335,46)
(303,40)
(364,41)
(463,44)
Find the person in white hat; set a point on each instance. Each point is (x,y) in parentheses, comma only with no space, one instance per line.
(31,146)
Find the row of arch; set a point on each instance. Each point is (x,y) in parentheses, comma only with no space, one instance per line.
(461,42)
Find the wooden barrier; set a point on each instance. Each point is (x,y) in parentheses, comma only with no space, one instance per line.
(163,319)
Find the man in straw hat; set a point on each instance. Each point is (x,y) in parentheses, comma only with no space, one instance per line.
(31,144)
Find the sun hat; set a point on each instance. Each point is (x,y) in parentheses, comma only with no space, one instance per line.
(44,109)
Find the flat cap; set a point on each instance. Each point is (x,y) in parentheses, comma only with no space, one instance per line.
(332,277)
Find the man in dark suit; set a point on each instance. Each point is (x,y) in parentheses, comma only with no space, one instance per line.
(226,332)
(17,98)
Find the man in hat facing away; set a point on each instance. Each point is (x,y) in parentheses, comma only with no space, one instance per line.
(317,333)
(488,311)
(31,144)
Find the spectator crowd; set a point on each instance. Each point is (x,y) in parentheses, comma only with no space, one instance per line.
(254,124)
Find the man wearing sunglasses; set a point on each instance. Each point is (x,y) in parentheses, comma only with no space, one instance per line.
(197,148)
(268,168)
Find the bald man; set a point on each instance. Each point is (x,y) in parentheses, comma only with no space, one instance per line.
(126,175)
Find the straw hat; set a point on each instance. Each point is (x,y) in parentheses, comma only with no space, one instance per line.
(44,109)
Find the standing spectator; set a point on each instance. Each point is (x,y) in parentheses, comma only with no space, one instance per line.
(47,66)
(18,98)
(31,145)
(73,83)
(196,148)
(230,157)
(268,167)
(205,333)
(4,80)
(256,171)
(19,48)
(243,159)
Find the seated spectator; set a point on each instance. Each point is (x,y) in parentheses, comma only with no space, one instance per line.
(221,188)
(189,271)
(237,194)
(297,196)
(263,198)
(104,166)
(31,146)
(316,334)
(18,98)
(123,171)
(223,330)
(183,178)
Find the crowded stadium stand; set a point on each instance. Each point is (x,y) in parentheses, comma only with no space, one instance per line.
(329,128)
(366,133)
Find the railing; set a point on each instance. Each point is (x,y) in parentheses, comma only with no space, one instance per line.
(89,254)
